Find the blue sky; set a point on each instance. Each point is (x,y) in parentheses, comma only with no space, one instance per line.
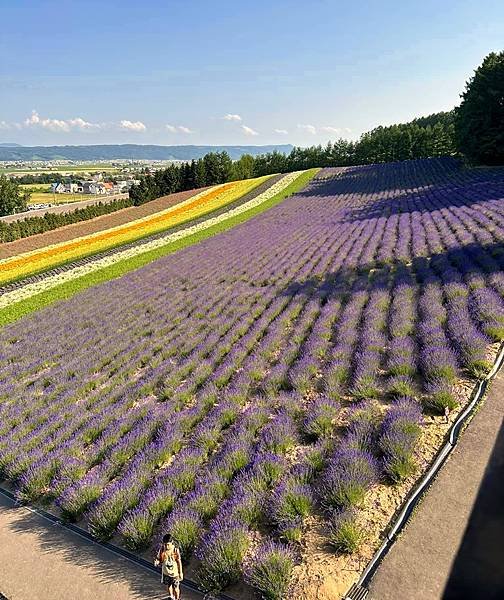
(170,71)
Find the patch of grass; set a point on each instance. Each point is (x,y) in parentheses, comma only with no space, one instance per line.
(69,289)
(41,197)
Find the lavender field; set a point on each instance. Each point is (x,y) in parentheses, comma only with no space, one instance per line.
(279,370)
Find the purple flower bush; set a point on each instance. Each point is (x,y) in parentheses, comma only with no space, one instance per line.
(319,421)
(185,526)
(290,503)
(221,555)
(350,474)
(363,421)
(441,395)
(345,535)
(399,434)
(269,571)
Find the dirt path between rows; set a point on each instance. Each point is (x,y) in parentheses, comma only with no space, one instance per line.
(42,561)
(453,546)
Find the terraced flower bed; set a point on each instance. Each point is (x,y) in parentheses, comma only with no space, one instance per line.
(204,202)
(87,227)
(258,393)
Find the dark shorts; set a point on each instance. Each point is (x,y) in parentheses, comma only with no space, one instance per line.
(170,581)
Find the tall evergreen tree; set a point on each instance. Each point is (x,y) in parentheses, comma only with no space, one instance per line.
(212,170)
(12,198)
(479,121)
(243,168)
(200,180)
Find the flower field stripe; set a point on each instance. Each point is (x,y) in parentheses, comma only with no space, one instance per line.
(20,302)
(26,256)
(38,260)
(89,226)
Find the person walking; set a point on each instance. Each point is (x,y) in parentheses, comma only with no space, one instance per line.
(168,557)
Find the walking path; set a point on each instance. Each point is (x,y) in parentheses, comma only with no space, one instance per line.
(453,547)
(41,561)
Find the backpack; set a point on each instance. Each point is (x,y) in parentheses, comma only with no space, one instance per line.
(169,565)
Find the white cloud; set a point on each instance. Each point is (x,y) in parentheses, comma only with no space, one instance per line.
(309,128)
(132,125)
(336,130)
(281,131)
(231,117)
(4,125)
(249,130)
(82,124)
(178,129)
(61,125)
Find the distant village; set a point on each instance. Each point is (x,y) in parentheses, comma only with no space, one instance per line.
(94,186)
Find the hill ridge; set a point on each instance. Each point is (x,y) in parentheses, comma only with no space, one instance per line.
(131,151)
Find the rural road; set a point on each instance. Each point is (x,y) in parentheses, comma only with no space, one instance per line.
(41,561)
(61,208)
(452,548)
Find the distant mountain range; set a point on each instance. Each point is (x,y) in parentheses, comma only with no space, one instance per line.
(128,151)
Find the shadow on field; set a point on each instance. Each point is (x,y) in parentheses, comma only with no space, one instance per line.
(382,177)
(406,191)
(99,562)
(340,281)
(478,571)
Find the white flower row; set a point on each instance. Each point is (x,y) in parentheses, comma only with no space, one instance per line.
(32,289)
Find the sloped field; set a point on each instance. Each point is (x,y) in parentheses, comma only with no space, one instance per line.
(240,391)
(206,201)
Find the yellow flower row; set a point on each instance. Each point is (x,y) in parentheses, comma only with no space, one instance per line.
(42,259)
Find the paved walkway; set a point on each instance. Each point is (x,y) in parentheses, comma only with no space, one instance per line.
(453,547)
(41,561)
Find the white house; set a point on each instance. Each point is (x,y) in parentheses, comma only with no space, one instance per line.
(58,188)
(97,188)
(64,188)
